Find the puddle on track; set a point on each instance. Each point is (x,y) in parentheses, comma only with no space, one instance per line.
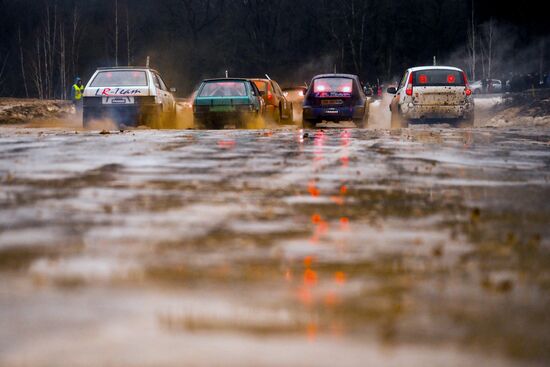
(426,246)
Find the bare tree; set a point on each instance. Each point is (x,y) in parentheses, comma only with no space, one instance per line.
(37,69)
(197,15)
(22,60)
(3,62)
(62,62)
(76,34)
(128,38)
(472,42)
(116,32)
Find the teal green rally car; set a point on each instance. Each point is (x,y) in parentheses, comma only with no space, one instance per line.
(221,101)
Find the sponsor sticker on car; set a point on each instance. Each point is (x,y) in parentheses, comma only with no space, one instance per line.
(118,100)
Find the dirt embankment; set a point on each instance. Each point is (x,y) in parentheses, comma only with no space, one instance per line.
(17,111)
(519,109)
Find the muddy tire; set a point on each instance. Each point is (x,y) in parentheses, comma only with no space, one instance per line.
(198,123)
(290,118)
(309,124)
(152,119)
(86,119)
(362,122)
(277,116)
(359,123)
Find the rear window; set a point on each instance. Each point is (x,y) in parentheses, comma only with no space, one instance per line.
(438,77)
(340,85)
(120,78)
(223,89)
(262,86)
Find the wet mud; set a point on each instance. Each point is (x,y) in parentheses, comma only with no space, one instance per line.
(421,246)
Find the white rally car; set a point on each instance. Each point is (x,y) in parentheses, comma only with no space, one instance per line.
(129,96)
(433,93)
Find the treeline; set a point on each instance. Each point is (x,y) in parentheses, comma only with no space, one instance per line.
(44,44)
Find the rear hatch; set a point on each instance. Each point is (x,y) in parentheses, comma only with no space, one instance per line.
(222,96)
(118,87)
(439,87)
(332,92)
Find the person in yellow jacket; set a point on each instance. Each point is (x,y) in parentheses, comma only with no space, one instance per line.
(76,93)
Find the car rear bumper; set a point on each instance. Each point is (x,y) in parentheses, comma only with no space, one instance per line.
(127,115)
(224,116)
(333,113)
(411,111)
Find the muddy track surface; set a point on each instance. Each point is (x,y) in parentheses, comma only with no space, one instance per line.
(421,247)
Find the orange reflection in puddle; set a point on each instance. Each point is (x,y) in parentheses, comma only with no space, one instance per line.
(321,228)
(344,224)
(312,331)
(226,144)
(340,277)
(343,190)
(312,189)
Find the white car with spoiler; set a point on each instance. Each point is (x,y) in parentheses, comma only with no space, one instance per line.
(432,93)
(129,96)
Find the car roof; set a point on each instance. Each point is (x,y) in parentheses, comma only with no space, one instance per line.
(351,76)
(226,80)
(139,68)
(419,68)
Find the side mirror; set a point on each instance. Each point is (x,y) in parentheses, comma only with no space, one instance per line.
(392,90)
(262,93)
(173,90)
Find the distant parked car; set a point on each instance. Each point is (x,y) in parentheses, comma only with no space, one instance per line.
(432,93)
(335,97)
(495,86)
(128,96)
(295,94)
(218,101)
(277,108)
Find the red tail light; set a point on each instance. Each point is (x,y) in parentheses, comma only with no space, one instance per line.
(269,95)
(409,89)
(467,90)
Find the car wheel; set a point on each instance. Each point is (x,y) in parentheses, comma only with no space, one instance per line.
(290,117)
(308,124)
(359,123)
(277,115)
(152,119)
(86,119)
(198,123)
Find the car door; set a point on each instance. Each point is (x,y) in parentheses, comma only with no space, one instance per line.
(170,99)
(396,98)
(166,98)
(285,106)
